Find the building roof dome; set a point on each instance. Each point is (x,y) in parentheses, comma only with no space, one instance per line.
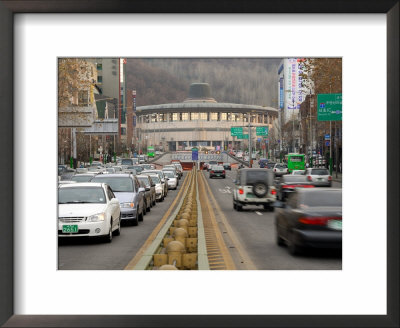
(200,92)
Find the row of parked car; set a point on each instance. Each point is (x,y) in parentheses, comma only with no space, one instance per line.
(95,202)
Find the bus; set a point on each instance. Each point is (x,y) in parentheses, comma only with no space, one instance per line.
(295,162)
(150,151)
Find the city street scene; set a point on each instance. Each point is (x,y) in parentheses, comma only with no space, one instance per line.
(199,164)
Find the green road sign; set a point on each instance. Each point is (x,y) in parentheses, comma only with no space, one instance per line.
(236,131)
(243,136)
(261,130)
(329,107)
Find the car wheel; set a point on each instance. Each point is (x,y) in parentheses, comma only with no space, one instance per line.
(118,231)
(109,236)
(149,207)
(239,207)
(292,247)
(135,221)
(141,216)
(154,201)
(234,205)
(279,239)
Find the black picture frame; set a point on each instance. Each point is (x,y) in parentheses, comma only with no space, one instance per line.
(7,11)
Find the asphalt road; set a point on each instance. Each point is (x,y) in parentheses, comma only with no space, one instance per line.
(255,231)
(92,254)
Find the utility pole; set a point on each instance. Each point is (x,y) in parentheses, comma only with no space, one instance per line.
(249,118)
(330,141)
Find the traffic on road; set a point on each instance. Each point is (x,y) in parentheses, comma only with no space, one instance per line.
(266,217)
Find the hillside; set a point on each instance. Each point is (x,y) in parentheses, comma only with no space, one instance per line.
(246,81)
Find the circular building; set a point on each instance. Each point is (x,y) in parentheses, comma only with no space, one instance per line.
(198,121)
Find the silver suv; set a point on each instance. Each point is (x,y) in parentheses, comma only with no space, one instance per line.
(254,187)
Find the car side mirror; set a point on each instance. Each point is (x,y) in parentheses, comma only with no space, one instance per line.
(147,188)
(142,189)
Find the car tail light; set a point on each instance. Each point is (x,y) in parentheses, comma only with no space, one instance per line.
(318,220)
(223,172)
(274,170)
(329,178)
(241,191)
(211,171)
(309,178)
(273,192)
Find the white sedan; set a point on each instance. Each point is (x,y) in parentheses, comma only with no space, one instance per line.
(172,179)
(88,209)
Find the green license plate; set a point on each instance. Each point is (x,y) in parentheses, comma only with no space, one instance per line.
(249,195)
(70,228)
(335,224)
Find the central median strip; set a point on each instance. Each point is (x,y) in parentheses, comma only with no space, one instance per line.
(179,244)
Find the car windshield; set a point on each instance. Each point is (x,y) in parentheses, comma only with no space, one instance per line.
(255,176)
(127,161)
(82,178)
(319,172)
(217,168)
(117,184)
(94,169)
(145,180)
(77,195)
(155,179)
(322,198)
(146,166)
(135,167)
(169,174)
(281,166)
(270,165)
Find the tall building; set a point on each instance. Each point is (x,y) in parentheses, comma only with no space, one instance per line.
(290,92)
(111,82)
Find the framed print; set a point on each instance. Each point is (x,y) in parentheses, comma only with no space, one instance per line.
(34,35)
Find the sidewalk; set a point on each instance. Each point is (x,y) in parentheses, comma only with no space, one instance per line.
(339,176)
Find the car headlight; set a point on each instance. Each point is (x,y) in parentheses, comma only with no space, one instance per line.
(96,217)
(127,205)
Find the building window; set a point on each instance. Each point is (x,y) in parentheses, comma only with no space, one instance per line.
(266,118)
(175,117)
(99,67)
(213,116)
(184,116)
(163,117)
(123,131)
(153,118)
(203,116)
(236,117)
(194,116)
(229,116)
(147,119)
(100,79)
(223,116)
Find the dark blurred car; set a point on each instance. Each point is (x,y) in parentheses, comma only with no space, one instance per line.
(127,161)
(288,183)
(217,171)
(311,217)
(270,165)
(149,185)
(263,162)
(147,196)
(227,166)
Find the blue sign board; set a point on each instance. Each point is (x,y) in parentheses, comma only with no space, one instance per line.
(327,143)
(281,93)
(327,137)
(195,154)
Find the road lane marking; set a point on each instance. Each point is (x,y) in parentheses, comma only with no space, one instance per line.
(258,213)
(132,263)
(235,240)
